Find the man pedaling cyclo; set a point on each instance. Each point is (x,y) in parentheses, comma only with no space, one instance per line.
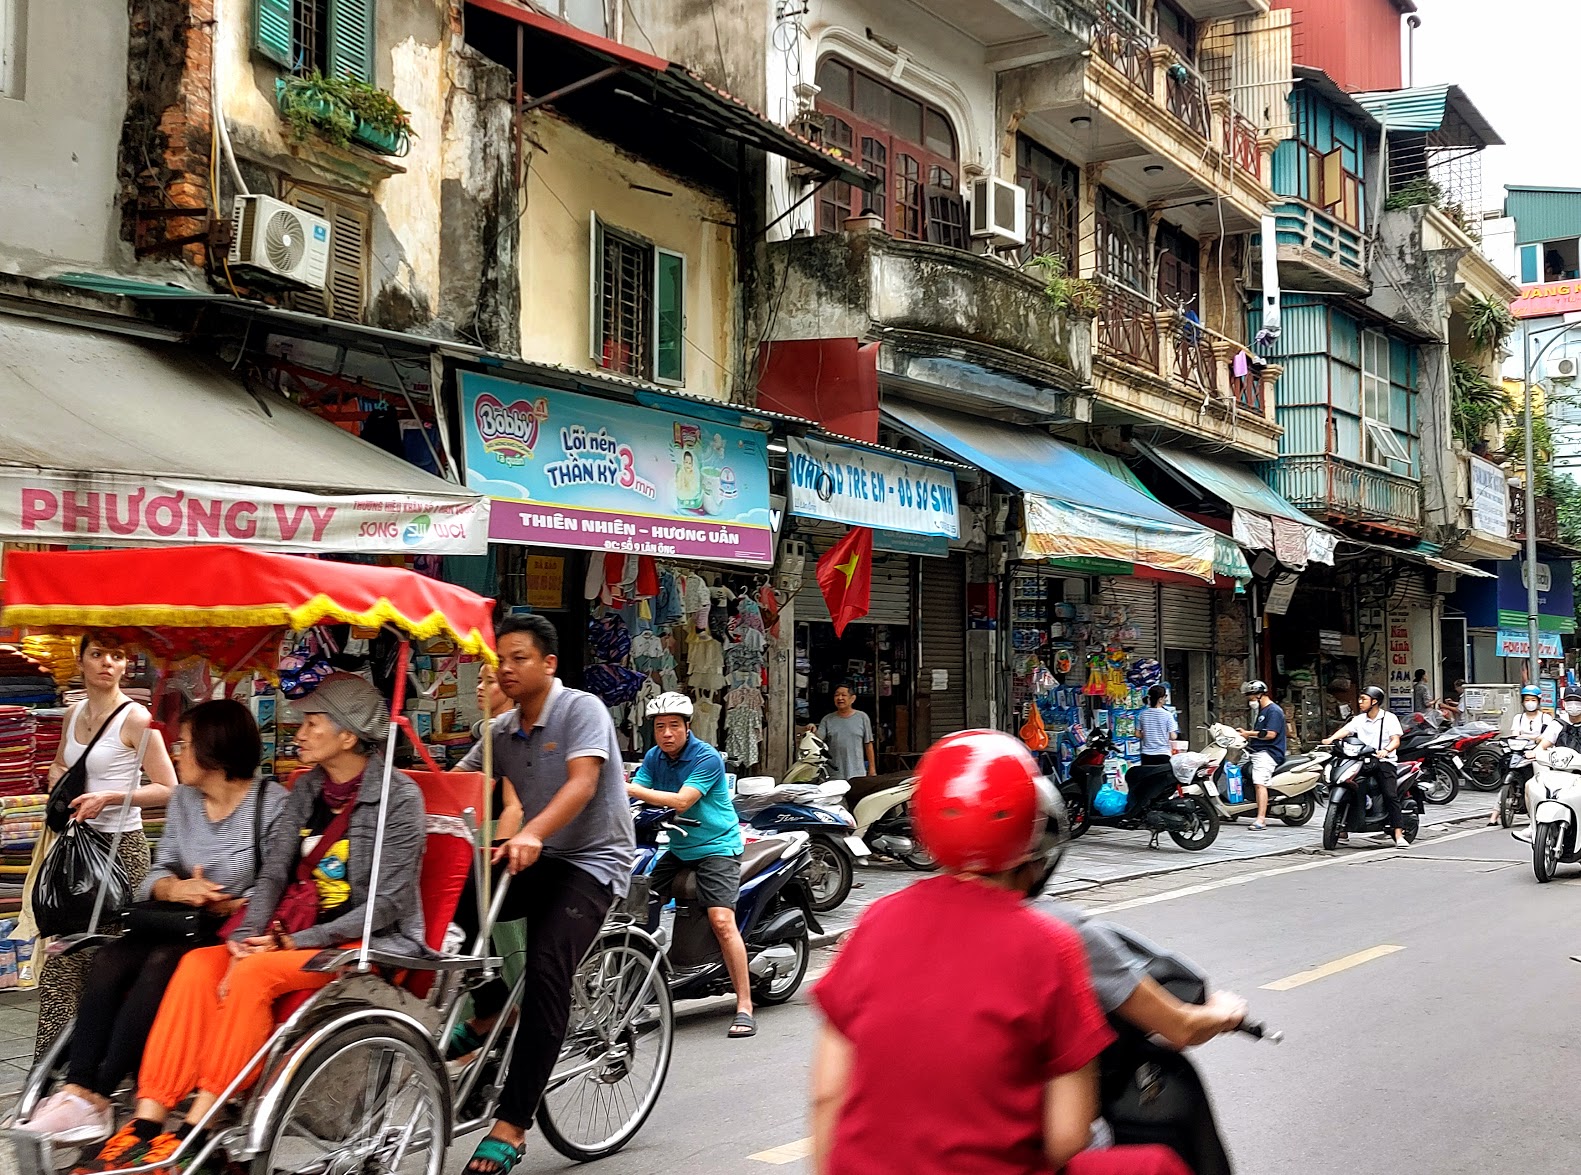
(684,773)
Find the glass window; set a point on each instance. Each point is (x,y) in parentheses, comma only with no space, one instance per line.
(906,117)
(872,99)
(939,136)
(669,300)
(834,82)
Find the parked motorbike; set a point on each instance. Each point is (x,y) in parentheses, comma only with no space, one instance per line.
(1150,1093)
(881,805)
(1157,804)
(1518,769)
(1482,755)
(1292,792)
(774,913)
(1429,739)
(1558,814)
(1355,799)
(817,810)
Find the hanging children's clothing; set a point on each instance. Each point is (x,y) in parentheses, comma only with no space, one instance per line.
(705,662)
(743,733)
(705,721)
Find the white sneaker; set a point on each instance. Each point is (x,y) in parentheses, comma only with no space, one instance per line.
(68,1120)
(1523,834)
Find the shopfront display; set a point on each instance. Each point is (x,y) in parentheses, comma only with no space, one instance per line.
(1497,631)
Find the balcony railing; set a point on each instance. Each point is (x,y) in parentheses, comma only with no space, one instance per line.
(1547,517)
(1240,143)
(1195,364)
(1127,327)
(1248,391)
(1186,97)
(1124,44)
(1333,486)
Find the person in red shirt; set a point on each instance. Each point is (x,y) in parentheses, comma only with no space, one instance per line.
(961,1034)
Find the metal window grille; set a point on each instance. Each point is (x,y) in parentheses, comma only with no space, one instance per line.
(626,305)
(310,35)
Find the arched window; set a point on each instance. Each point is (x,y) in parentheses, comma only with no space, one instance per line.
(908,145)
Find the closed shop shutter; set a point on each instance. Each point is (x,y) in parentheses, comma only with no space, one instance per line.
(943,619)
(1412,590)
(1186,614)
(1139,598)
(891,603)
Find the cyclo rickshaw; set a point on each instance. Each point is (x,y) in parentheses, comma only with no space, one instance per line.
(353,1078)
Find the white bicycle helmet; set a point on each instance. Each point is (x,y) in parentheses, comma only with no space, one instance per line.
(669,702)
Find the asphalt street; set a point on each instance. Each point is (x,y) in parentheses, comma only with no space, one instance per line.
(1426,998)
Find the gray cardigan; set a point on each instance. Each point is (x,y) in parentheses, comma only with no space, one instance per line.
(398,909)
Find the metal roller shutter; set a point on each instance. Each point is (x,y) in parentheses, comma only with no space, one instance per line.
(943,618)
(1412,590)
(1186,616)
(1139,598)
(891,602)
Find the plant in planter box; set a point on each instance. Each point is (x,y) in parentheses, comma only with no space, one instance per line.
(344,111)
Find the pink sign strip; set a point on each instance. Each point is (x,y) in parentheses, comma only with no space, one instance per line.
(632,534)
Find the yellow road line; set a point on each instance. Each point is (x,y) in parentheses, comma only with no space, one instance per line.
(1301,979)
(789,1153)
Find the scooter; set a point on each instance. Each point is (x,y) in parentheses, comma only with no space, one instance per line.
(1518,769)
(812,762)
(1149,1093)
(774,913)
(817,810)
(1355,800)
(1292,792)
(1442,749)
(1558,814)
(881,805)
(1158,802)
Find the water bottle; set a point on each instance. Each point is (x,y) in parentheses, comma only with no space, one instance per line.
(1232,782)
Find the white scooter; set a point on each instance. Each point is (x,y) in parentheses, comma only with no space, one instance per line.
(1292,792)
(1557,782)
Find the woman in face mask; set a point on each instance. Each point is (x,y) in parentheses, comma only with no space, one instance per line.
(1534,726)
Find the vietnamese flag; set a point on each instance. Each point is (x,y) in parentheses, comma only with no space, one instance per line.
(845,574)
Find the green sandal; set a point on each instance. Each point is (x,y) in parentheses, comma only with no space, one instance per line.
(500,1156)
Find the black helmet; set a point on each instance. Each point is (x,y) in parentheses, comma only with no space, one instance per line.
(1573,694)
(1376,694)
(1254,687)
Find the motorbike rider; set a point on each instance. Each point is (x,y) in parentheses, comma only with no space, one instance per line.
(1563,732)
(989,999)
(682,772)
(1532,725)
(1267,742)
(1379,729)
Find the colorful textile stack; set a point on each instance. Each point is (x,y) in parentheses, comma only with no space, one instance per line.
(17,775)
(21,822)
(57,654)
(24,681)
(48,730)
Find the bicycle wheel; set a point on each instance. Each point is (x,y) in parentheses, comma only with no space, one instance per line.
(616,1052)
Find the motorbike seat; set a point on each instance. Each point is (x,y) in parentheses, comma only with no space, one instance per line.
(865,785)
(755,859)
(1292,763)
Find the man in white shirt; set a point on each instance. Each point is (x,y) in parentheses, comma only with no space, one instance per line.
(1380,730)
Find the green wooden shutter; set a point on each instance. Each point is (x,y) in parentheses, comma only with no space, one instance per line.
(351,39)
(669,317)
(272,30)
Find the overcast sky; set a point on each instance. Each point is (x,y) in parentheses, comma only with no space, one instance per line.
(1512,58)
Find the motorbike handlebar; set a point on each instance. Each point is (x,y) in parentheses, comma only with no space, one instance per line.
(1257,1030)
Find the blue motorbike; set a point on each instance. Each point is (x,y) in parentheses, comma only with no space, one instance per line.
(774,913)
(817,810)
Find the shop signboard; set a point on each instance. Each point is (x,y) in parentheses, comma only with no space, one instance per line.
(1547,299)
(1400,695)
(566,470)
(121,511)
(857,487)
(546,581)
(900,542)
(1490,498)
(1514,642)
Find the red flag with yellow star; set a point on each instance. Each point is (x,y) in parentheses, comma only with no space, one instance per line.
(845,574)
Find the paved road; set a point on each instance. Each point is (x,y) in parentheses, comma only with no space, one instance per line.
(1424,1058)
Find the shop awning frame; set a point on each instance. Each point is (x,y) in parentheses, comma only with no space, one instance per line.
(1422,558)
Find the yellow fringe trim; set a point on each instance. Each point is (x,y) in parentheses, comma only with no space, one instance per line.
(319,610)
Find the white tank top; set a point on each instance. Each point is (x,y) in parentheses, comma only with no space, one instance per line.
(112,766)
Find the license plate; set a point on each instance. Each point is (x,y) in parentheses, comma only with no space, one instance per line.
(858,846)
(1457,760)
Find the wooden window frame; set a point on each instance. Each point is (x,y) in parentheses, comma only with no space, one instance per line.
(348,278)
(1062,238)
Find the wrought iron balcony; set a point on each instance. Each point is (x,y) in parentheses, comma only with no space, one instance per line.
(1124,44)
(1334,488)
(1547,517)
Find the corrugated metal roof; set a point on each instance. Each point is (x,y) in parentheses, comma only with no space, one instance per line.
(1544,214)
(126,287)
(1427,108)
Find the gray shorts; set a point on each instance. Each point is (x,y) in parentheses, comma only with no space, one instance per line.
(718,878)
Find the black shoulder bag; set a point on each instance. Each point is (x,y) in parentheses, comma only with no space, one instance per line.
(75,781)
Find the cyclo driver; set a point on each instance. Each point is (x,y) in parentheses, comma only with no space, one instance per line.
(1380,730)
(956,977)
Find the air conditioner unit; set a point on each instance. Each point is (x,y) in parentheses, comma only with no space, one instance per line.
(1564,369)
(999,211)
(272,236)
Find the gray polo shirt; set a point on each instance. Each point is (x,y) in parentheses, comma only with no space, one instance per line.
(1116,972)
(572,725)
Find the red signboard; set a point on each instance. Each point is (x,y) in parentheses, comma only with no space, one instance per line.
(1547,299)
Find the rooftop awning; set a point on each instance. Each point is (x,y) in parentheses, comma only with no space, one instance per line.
(117,442)
(1426,109)
(1423,558)
(1073,507)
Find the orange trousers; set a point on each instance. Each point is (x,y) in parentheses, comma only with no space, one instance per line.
(201,1041)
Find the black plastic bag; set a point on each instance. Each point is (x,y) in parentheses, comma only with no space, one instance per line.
(69,879)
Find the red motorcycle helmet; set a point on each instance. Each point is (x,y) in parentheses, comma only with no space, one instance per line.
(977,807)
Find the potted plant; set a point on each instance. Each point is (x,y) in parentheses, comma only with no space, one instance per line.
(344,111)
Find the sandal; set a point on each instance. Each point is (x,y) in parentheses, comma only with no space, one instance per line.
(494,1156)
(742,1026)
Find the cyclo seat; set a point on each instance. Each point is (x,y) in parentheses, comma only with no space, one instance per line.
(755,858)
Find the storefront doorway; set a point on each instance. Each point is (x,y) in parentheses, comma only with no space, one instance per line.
(875,660)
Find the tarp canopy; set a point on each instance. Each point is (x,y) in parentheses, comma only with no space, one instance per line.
(117,441)
(1073,506)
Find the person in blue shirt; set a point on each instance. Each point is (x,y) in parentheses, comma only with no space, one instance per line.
(686,774)
(1268,743)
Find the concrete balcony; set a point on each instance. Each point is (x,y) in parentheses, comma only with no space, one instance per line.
(1317,253)
(929,301)
(1336,490)
(1153,369)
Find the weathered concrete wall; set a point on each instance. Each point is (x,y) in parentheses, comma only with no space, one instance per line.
(721,40)
(58,186)
(572,175)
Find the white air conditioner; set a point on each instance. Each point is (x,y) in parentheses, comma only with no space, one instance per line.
(1564,369)
(999,211)
(273,236)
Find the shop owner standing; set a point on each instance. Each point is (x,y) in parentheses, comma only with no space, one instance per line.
(848,733)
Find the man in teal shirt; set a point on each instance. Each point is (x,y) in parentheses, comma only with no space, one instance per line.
(686,774)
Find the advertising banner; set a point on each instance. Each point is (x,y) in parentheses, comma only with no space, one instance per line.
(841,483)
(1490,498)
(1515,643)
(566,470)
(120,511)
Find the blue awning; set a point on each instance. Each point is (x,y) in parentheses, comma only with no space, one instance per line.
(1234,485)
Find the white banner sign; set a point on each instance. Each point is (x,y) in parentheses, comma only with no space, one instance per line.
(838,483)
(117,510)
(1490,498)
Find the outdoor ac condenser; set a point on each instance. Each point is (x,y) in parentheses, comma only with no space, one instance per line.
(999,212)
(270,235)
